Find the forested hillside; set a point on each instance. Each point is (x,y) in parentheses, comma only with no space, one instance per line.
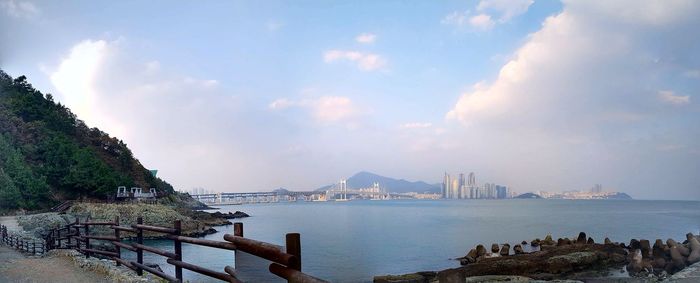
(47,154)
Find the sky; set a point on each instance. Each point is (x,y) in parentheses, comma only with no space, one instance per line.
(255,95)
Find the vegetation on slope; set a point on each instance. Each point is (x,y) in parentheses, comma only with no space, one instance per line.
(47,154)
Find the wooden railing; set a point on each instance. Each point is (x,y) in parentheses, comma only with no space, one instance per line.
(32,247)
(285,264)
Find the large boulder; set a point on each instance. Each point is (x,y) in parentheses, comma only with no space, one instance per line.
(535,242)
(590,241)
(518,250)
(635,262)
(548,241)
(677,263)
(480,251)
(505,250)
(646,248)
(694,245)
(634,244)
(495,248)
(681,248)
(581,238)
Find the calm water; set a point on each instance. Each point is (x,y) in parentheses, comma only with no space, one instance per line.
(356,240)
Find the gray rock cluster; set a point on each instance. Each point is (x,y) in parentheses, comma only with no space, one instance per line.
(662,258)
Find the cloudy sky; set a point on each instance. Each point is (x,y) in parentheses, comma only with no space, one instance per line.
(254,95)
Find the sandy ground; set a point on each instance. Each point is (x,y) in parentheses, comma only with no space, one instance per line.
(15,267)
(10,222)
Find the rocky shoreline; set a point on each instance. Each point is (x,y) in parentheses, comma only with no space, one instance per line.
(579,258)
(194,223)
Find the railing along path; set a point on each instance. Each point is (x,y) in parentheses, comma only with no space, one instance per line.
(285,264)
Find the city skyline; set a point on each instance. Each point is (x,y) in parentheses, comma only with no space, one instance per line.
(232,96)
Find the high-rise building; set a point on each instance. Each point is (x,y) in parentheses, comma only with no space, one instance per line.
(597,188)
(446,186)
(454,189)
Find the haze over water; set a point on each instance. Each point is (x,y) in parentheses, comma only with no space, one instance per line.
(356,240)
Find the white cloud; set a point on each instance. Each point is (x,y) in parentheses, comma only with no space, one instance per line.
(563,104)
(366,38)
(364,61)
(507,9)
(456,18)
(481,21)
(486,11)
(324,109)
(19,9)
(416,125)
(74,77)
(668,96)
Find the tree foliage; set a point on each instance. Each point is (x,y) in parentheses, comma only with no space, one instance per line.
(47,154)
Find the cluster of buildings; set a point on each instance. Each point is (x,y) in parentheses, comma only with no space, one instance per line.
(596,192)
(466,188)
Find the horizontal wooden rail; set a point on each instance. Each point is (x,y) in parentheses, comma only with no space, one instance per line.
(103,238)
(154,271)
(205,271)
(262,249)
(155,228)
(111,254)
(293,275)
(154,250)
(124,228)
(203,242)
(124,262)
(123,245)
(98,223)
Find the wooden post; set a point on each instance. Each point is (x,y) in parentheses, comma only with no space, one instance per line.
(139,240)
(87,234)
(178,249)
(238,229)
(116,235)
(293,243)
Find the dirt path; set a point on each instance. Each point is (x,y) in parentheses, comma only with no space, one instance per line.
(15,267)
(10,222)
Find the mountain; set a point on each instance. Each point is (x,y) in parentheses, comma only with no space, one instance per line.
(48,155)
(366,179)
(528,196)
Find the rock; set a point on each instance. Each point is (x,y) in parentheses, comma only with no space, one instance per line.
(505,250)
(676,260)
(523,243)
(590,241)
(495,248)
(635,262)
(418,277)
(634,244)
(496,278)
(518,250)
(548,241)
(472,253)
(560,242)
(694,255)
(535,242)
(681,248)
(569,262)
(480,251)
(568,242)
(607,241)
(581,238)
(646,248)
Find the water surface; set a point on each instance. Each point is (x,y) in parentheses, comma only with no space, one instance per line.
(356,240)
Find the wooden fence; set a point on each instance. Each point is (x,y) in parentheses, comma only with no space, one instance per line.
(32,247)
(285,264)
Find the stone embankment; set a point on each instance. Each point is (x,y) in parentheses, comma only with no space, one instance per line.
(579,258)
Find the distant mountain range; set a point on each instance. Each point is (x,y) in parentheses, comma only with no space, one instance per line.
(366,179)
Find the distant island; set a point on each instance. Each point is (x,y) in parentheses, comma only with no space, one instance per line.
(528,196)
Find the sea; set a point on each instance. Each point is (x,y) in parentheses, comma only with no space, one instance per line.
(354,241)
